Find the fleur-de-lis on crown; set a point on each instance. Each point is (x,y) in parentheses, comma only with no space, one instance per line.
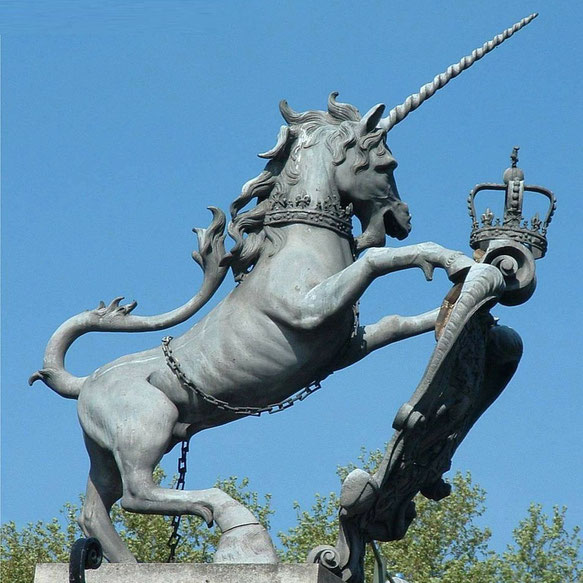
(487,217)
(303,201)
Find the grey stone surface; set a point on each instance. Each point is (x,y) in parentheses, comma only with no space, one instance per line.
(190,573)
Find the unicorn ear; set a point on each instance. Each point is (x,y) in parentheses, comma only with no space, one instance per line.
(282,138)
(371,119)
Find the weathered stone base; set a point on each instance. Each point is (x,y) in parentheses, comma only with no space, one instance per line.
(189,573)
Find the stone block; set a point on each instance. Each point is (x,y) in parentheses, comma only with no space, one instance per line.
(190,573)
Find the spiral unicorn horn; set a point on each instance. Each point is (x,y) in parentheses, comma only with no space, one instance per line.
(412,102)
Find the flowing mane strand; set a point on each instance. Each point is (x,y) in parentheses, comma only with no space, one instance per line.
(337,129)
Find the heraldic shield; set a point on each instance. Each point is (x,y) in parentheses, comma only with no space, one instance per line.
(473,361)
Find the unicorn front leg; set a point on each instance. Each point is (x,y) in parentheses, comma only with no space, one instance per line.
(386,331)
(426,256)
(341,291)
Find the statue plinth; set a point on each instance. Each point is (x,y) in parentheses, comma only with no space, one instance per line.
(190,573)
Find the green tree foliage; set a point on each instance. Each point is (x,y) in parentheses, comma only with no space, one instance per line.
(21,550)
(444,544)
(543,549)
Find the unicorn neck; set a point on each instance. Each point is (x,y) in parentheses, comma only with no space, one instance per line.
(298,206)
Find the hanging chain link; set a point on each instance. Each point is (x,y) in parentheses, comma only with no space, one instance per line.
(175,537)
(223,405)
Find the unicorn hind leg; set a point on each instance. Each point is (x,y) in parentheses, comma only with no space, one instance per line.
(140,430)
(104,488)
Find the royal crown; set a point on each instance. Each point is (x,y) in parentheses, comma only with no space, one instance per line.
(512,225)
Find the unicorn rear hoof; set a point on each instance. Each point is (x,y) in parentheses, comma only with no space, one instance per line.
(248,543)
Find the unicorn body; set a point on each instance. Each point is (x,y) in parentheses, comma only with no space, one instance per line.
(289,321)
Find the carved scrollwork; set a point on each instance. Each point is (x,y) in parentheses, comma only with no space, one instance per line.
(327,556)
(86,553)
(516,264)
(359,492)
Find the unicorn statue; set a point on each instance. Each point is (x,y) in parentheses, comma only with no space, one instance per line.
(288,324)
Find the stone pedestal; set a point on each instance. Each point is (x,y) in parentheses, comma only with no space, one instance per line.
(190,573)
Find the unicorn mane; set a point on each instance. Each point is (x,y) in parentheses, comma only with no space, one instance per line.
(336,129)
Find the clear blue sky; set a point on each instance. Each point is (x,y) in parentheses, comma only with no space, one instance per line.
(122,121)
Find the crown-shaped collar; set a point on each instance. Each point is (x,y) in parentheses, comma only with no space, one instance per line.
(329,213)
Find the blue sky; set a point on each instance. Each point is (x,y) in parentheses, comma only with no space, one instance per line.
(123,121)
